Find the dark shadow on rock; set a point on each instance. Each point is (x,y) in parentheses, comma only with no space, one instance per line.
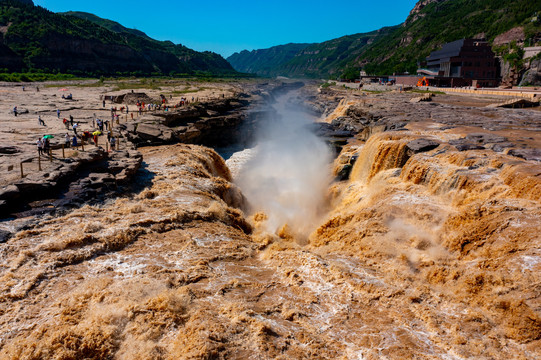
(142,180)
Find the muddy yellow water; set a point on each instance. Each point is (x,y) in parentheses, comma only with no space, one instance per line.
(434,256)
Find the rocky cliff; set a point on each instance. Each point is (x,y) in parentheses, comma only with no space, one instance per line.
(532,75)
(416,12)
(430,24)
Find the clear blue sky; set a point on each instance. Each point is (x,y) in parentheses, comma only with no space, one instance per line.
(226,27)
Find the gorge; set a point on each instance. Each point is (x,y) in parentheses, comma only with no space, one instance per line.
(425,247)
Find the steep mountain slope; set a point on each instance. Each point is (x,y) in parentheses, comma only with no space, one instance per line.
(433,23)
(331,57)
(108,24)
(199,61)
(310,60)
(264,62)
(40,39)
(398,49)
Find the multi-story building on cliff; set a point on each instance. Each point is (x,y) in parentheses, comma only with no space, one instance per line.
(464,62)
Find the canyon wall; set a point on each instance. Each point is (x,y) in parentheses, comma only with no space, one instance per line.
(428,250)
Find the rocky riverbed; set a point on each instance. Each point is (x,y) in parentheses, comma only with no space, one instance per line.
(70,176)
(425,245)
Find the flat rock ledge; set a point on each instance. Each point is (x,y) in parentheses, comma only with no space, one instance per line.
(91,175)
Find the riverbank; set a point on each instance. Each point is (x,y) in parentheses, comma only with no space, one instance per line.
(213,114)
(427,248)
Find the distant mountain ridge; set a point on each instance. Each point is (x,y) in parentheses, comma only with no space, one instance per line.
(33,38)
(398,49)
(306,60)
(263,62)
(331,57)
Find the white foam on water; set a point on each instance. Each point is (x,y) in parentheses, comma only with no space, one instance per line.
(237,161)
(530,263)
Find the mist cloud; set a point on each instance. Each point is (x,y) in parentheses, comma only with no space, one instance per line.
(289,173)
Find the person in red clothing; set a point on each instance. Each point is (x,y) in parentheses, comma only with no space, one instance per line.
(96,140)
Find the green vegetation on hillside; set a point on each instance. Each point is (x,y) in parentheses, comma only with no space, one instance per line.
(31,77)
(330,58)
(83,44)
(105,23)
(444,22)
(324,60)
(28,27)
(206,61)
(399,49)
(264,62)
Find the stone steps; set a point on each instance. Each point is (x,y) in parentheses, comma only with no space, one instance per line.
(514,103)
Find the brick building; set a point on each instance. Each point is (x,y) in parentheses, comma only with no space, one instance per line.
(463,62)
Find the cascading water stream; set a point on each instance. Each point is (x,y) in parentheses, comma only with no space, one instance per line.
(289,172)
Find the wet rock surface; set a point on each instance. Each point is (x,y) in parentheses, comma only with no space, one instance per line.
(526,154)
(367,114)
(421,145)
(4,236)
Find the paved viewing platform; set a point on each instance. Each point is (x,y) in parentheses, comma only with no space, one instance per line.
(522,92)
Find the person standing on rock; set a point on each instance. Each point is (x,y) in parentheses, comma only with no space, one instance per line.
(58,113)
(39,144)
(112,141)
(103,102)
(127,109)
(71,120)
(75,128)
(66,124)
(46,145)
(74,141)
(40,121)
(67,140)
(96,139)
(15,111)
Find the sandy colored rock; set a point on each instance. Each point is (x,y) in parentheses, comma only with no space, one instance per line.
(425,252)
